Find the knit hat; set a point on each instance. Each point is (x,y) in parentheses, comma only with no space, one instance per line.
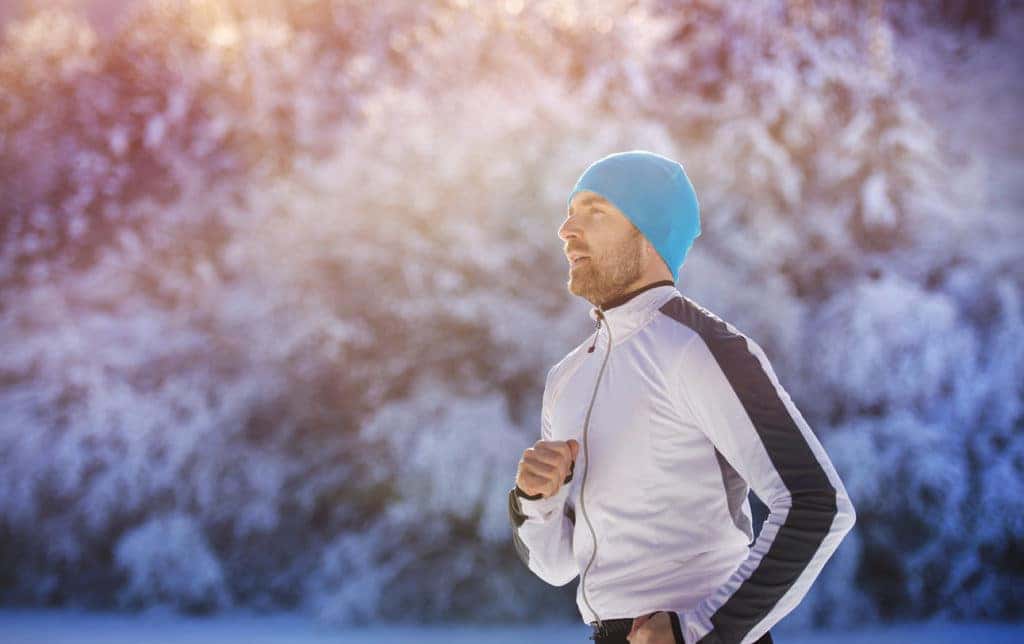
(654,192)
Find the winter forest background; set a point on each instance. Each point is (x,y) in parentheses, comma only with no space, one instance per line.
(280,282)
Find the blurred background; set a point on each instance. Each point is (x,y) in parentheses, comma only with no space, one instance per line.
(280,283)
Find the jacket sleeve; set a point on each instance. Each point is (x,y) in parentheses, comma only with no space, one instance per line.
(542,528)
(726,381)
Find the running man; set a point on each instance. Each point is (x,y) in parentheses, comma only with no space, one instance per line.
(654,430)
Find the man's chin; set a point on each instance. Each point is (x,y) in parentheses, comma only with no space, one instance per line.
(579,288)
(573,286)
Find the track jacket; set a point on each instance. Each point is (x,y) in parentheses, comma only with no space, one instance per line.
(677,412)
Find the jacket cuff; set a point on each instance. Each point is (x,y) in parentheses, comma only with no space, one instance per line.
(538,507)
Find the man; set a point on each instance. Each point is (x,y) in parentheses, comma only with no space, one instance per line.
(652,431)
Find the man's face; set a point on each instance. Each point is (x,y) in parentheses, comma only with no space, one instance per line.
(605,250)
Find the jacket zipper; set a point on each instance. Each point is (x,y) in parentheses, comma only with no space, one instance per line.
(586,458)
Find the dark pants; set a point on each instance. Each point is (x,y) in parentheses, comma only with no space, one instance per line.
(616,630)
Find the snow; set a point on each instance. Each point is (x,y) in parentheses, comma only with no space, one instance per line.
(161,627)
(168,559)
(260,273)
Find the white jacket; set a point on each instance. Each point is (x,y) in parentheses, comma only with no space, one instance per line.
(676,413)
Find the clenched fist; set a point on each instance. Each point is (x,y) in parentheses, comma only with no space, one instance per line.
(545,466)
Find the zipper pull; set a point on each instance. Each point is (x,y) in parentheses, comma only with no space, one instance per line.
(596,331)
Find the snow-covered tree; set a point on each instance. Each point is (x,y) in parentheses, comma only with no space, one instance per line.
(280,282)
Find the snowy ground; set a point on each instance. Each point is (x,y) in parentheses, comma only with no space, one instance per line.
(72,627)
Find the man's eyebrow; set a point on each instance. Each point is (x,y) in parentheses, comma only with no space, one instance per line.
(586,201)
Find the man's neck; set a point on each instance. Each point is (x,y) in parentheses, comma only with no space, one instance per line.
(626,296)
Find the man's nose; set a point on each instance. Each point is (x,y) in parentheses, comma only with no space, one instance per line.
(569,228)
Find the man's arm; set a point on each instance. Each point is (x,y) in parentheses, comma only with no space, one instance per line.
(725,379)
(542,528)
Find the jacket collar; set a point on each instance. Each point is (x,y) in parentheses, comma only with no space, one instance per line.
(628,311)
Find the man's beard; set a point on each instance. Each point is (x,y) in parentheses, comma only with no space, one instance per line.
(602,277)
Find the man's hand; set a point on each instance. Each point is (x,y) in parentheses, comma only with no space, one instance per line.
(544,466)
(654,628)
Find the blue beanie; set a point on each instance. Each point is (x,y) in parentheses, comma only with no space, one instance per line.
(655,194)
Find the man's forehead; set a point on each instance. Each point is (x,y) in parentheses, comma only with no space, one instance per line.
(583,199)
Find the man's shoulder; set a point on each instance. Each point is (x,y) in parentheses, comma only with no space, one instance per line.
(712,341)
(693,318)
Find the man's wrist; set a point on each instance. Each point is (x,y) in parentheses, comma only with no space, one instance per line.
(523,495)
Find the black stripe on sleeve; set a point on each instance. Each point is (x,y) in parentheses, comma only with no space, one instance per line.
(813,497)
(517,518)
